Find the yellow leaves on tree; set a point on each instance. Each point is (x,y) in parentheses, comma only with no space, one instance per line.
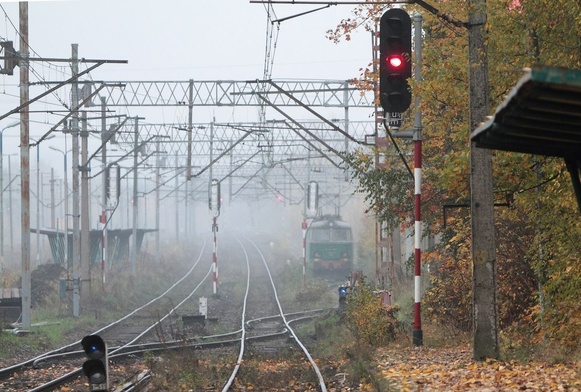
(539,232)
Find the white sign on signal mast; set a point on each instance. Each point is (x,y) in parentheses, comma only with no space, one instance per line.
(394,119)
(214,198)
(312,198)
(113,185)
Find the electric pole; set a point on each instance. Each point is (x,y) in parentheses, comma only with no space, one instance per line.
(25,167)
(135,198)
(481,196)
(105,190)
(85,227)
(75,166)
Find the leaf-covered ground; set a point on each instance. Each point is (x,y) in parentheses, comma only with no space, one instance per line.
(453,369)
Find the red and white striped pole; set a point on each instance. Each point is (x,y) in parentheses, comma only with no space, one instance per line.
(214,204)
(304,251)
(215,257)
(417,329)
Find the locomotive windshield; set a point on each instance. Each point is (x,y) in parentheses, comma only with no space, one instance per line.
(341,234)
(334,234)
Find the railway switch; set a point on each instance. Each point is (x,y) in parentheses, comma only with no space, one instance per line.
(96,367)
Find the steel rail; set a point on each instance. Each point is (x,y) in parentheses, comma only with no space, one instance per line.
(131,349)
(138,350)
(292,332)
(171,344)
(51,385)
(4,372)
(243,327)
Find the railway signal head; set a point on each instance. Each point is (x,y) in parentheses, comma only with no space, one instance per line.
(96,367)
(395,67)
(10,58)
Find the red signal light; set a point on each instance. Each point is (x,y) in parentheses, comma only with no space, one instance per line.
(395,62)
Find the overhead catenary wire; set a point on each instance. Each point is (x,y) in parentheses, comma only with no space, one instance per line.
(36,73)
(271,41)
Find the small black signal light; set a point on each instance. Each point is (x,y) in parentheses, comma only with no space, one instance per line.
(395,67)
(96,367)
(342,299)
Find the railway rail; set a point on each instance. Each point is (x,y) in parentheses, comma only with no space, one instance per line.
(264,330)
(137,325)
(254,301)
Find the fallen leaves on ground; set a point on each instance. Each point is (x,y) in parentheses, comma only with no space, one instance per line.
(453,369)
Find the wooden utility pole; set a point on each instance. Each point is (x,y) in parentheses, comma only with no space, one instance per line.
(482,199)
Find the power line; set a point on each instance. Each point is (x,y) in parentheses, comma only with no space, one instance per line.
(36,53)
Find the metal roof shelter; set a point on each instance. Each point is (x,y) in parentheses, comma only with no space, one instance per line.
(541,115)
(119,244)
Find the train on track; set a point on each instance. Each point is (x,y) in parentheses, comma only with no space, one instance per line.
(329,247)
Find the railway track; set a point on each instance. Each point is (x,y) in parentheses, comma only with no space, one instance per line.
(147,323)
(263,332)
(261,297)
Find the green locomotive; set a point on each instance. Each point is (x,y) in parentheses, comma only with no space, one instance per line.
(330,247)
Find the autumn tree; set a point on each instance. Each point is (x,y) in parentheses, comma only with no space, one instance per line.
(538,228)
